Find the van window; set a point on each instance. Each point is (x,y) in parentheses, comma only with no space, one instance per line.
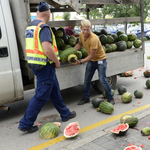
(0,33)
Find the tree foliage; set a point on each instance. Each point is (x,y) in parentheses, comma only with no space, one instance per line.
(117,11)
(66,15)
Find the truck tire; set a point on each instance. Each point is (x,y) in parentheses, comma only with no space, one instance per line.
(98,87)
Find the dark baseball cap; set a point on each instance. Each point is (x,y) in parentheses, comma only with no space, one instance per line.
(43,6)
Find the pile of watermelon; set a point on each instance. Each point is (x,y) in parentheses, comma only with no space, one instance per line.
(65,44)
(118,42)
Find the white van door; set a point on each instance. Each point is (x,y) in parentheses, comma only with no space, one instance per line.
(8,73)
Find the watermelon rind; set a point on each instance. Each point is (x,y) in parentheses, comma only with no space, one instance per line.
(71,136)
(120,131)
(58,124)
(122,89)
(145,131)
(148,83)
(49,131)
(96,101)
(133,146)
(138,94)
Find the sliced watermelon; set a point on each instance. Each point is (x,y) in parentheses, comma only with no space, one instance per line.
(133,147)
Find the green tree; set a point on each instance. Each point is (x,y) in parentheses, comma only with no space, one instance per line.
(66,15)
(117,11)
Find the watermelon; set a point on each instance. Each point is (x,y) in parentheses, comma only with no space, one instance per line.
(72,42)
(84,52)
(129,119)
(115,36)
(64,54)
(122,89)
(146,73)
(132,37)
(138,94)
(129,44)
(66,47)
(132,147)
(110,39)
(104,31)
(148,83)
(104,48)
(58,34)
(121,46)
(62,30)
(114,47)
(119,33)
(126,74)
(60,43)
(145,131)
(126,97)
(103,39)
(97,33)
(121,129)
(112,92)
(137,43)
(106,107)
(72,130)
(72,58)
(79,54)
(96,102)
(49,131)
(148,57)
(57,124)
(108,49)
(123,37)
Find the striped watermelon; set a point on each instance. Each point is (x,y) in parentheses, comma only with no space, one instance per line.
(49,131)
(148,83)
(126,97)
(106,107)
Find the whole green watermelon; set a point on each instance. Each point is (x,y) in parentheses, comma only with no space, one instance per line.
(108,49)
(137,43)
(148,83)
(138,94)
(115,36)
(104,48)
(110,39)
(60,43)
(84,52)
(119,33)
(58,34)
(129,119)
(49,131)
(106,107)
(126,97)
(103,39)
(121,46)
(79,54)
(129,44)
(132,37)
(72,42)
(114,47)
(104,31)
(122,89)
(123,37)
(96,101)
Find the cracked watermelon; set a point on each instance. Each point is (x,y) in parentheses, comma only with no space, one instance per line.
(133,147)
(72,130)
(121,129)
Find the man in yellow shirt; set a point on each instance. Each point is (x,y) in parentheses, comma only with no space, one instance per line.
(96,60)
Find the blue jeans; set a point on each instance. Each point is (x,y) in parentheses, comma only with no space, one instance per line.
(90,70)
(47,87)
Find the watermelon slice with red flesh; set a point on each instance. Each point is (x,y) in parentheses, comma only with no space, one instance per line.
(121,129)
(132,147)
(72,130)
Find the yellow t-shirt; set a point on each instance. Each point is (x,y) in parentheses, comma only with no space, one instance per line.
(93,42)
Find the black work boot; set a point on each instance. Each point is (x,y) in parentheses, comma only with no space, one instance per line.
(30,130)
(83,101)
(72,115)
(112,101)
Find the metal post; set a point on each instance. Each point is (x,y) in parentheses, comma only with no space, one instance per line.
(87,10)
(142,25)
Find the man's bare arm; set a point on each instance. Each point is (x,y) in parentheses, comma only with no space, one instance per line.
(78,46)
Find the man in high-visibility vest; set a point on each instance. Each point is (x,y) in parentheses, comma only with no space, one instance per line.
(43,58)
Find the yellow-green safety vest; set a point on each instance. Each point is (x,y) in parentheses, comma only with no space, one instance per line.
(34,50)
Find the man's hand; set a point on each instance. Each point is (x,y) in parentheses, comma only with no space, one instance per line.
(76,63)
(57,65)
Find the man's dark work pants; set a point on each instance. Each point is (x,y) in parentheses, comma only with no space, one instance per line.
(47,87)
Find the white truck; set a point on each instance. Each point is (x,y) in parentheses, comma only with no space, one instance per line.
(16,76)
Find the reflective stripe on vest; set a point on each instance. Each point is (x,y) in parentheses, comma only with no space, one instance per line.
(34,50)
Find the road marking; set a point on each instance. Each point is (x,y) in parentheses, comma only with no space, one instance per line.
(90,127)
